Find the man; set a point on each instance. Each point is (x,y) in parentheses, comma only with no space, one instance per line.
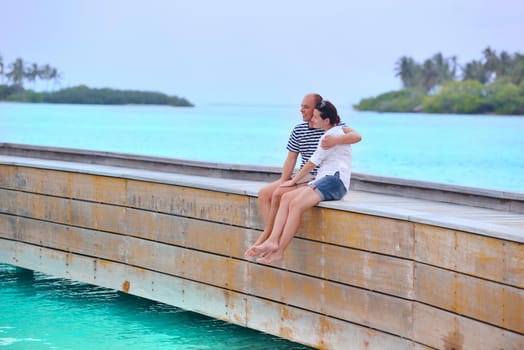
(304,140)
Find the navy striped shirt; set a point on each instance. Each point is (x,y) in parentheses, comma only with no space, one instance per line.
(304,140)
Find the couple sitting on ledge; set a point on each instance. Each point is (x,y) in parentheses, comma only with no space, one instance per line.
(324,143)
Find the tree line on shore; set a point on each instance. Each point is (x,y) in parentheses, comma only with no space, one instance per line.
(19,72)
(494,84)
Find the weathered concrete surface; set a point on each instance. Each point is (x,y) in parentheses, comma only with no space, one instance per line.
(373,271)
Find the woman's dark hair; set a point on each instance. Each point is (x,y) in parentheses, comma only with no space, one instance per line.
(328,110)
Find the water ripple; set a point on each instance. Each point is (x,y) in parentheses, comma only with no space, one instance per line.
(60,314)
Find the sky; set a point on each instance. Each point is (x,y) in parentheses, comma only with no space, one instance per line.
(251,52)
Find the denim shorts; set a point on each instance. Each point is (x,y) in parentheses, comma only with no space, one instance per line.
(330,187)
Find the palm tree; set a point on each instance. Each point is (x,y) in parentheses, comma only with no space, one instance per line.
(55,76)
(517,69)
(506,63)
(492,62)
(44,72)
(32,73)
(445,68)
(475,70)
(1,69)
(408,70)
(430,75)
(16,73)
(449,70)
(49,73)
(433,72)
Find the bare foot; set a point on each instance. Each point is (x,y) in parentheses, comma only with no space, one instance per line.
(271,258)
(251,252)
(262,249)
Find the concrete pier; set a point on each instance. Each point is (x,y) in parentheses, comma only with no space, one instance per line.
(395,265)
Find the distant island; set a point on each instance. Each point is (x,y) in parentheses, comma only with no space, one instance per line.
(84,95)
(19,72)
(492,85)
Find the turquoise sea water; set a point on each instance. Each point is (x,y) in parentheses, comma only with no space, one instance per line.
(469,150)
(42,312)
(38,311)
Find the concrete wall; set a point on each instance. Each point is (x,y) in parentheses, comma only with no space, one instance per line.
(349,280)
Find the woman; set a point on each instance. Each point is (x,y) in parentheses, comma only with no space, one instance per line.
(332,183)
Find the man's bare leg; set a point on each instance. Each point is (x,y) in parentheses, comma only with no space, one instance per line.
(265,203)
(265,195)
(270,218)
(271,243)
(304,199)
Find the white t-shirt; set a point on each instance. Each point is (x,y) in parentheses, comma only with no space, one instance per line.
(337,158)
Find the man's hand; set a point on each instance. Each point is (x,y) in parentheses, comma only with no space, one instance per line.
(329,141)
(288,183)
(350,137)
